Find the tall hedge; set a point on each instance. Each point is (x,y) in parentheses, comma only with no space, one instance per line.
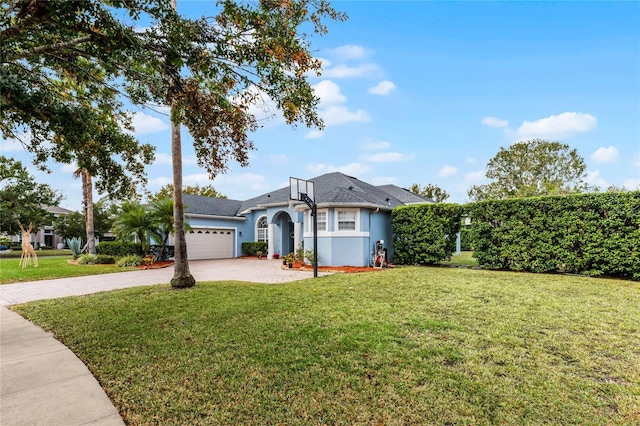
(591,234)
(425,233)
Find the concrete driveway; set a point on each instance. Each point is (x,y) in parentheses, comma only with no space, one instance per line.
(251,270)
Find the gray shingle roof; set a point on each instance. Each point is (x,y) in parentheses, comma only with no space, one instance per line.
(331,188)
(197,204)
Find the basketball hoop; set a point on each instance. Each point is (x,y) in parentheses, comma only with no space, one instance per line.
(303,190)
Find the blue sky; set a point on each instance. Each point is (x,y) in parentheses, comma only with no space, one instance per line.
(428,92)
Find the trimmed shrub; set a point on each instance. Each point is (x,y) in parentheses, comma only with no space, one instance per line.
(252,248)
(130,260)
(425,233)
(590,234)
(119,248)
(104,259)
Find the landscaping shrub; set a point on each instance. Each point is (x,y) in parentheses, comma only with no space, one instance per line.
(119,248)
(87,259)
(130,260)
(591,234)
(252,248)
(425,233)
(75,245)
(104,259)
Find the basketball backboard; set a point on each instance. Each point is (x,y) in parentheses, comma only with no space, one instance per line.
(300,187)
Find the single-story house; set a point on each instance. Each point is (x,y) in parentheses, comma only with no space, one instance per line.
(352,216)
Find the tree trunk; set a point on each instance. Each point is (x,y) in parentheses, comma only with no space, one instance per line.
(182,278)
(87,194)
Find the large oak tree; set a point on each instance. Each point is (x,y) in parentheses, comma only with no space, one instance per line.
(209,70)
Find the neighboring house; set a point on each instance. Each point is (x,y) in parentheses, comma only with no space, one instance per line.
(45,236)
(352,216)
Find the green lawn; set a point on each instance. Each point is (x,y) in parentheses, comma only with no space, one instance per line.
(465,258)
(50,267)
(403,346)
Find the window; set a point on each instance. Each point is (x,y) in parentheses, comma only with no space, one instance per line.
(322,221)
(347,220)
(262,229)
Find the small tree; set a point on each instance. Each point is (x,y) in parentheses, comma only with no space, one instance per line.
(22,199)
(134,222)
(430,190)
(533,168)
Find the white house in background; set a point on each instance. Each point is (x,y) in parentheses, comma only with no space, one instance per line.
(45,236)
(352,216)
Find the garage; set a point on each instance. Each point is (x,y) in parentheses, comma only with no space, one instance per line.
(209,243)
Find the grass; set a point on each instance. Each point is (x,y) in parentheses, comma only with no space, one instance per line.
(403,346)
(465,258)
(50,267)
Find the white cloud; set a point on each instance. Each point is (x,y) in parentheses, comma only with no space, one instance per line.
(383,88)
(494,122)
(144,124)
(13,145)
(636,160)
(314,134)
(351,169)
(348,51)
(69,168)
(470,160)
(369,144)
(631,183)
(331,108)
(232,185)
(475,177)
(329,93)
(346,71)
(162,158)
(383,180)
(264,109)
(557,126)
(388,157)
(336,115)
(594,178)
(605,155)
(159,182)
(447,171)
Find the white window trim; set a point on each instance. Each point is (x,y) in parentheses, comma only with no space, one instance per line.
(308,224)
(266,230)
(336,214)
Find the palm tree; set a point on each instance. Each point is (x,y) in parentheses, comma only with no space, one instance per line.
(161,212)
(136,223)
(182,277)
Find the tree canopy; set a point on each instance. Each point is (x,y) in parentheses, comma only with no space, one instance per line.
(532,168)
(430,190)
(66,65)
(22,199)
(167,192)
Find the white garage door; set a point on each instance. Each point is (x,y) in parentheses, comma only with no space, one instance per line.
(205,243)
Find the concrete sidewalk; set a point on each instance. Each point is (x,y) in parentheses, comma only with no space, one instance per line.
(43,383)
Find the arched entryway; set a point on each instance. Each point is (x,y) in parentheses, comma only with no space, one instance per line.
(283,234)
